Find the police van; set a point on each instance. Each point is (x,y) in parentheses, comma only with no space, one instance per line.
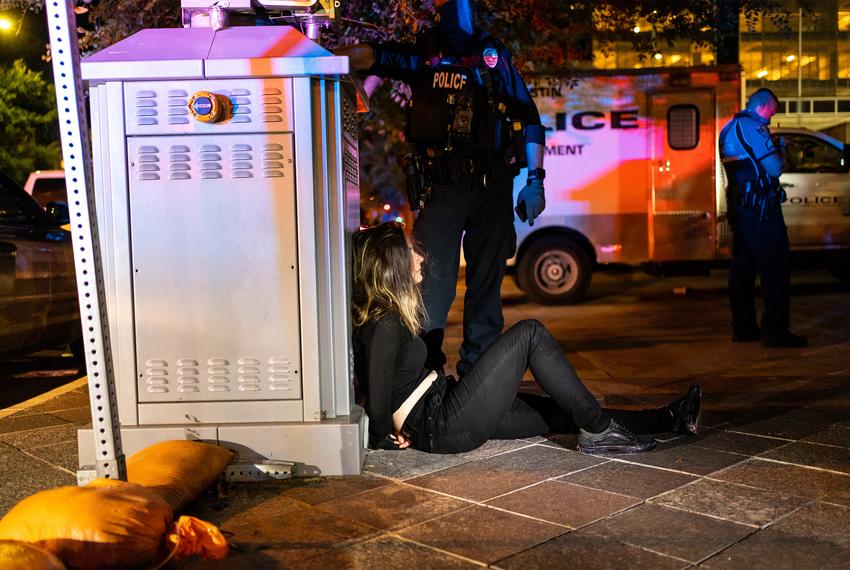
(633,176)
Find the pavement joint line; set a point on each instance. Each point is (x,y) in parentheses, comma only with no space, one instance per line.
(404,483)
(674,489)
(754,488)
(47,396)
(809,442)
(642,500)
(727,547)
(738,453)
(778,438)
(554,478)
(396,535)
(526,516)
(812,467)
(709,515)
(679,471)
(37,458)
(791,512)
(495,564)
(485,458)
(647,549)
(484,503)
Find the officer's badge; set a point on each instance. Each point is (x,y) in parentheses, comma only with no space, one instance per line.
(491,57)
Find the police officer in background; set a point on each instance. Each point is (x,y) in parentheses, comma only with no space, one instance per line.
(760,239)
(473,124)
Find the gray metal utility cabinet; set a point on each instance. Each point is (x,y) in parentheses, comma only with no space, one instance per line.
(226,187)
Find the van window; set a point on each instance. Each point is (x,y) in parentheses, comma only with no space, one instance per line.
(683,127)
(809,154)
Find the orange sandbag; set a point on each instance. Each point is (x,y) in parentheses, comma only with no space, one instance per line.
(22,556)
(191,536)
(179,471)
(106,524)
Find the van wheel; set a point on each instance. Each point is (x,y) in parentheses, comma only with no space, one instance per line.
(554,271)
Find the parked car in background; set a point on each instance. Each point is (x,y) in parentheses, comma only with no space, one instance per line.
(38,291)
(47,186)
(816,180)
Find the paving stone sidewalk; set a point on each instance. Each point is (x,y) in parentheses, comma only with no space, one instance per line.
(766,485)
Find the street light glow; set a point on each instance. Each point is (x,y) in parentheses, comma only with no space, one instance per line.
(5,24)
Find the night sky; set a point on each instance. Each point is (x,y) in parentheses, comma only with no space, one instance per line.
(28,45)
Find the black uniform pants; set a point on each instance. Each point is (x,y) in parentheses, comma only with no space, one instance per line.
(485,403)
(759,246)
(484,218)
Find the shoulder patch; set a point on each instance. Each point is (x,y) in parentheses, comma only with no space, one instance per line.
(491,57)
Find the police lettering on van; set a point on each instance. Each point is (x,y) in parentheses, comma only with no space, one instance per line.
(593,120)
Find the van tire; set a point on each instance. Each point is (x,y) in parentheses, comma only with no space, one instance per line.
(554,271)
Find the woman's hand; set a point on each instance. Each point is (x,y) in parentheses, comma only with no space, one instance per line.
(403,442)
(394,441)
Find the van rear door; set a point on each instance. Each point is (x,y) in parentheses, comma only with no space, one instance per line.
(682,213)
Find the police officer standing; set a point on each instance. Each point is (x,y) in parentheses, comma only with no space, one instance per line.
(760,239)
(473,124)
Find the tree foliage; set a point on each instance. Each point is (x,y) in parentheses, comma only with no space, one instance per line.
(28,126)
(543,35)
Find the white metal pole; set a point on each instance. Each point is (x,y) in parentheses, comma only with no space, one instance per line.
(76,153)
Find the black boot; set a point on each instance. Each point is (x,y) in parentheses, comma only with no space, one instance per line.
(785,339)
(686,412)
(614,439)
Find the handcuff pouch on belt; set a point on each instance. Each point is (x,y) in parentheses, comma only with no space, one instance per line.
(764,197)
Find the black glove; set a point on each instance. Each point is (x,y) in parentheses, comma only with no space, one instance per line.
(531,201)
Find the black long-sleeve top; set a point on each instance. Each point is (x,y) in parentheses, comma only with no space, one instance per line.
(389,363)
(404,61)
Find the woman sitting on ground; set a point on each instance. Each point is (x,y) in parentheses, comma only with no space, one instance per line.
(409,406)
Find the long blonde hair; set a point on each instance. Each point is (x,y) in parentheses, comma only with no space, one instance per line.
(383,278)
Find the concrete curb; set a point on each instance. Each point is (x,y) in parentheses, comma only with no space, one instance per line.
(40,399)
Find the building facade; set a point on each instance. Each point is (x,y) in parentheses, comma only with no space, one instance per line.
(808,67)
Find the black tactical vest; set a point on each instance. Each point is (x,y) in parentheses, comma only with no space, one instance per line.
(452,108)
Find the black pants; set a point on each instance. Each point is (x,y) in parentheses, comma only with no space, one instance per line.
(484,403)
(484,218)
(759,246)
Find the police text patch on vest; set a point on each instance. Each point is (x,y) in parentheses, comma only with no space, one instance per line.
(452,80)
